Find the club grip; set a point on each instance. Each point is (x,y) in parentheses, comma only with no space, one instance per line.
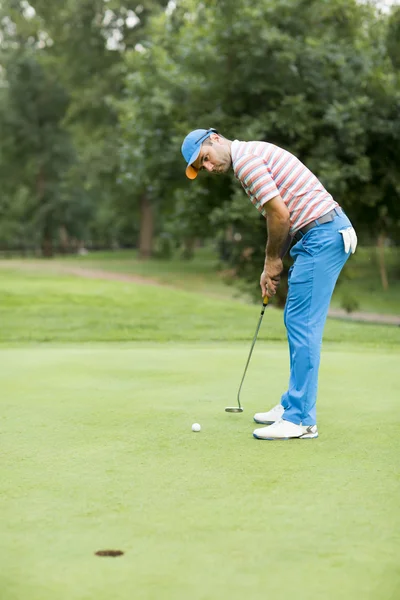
(265,300)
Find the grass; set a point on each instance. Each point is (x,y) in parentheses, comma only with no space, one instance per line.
(359,282)
(203,274)
(100,383)
(98,452)
(39,306)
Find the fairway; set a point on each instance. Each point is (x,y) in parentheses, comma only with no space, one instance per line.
(98,453)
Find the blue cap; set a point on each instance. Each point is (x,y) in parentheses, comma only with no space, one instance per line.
(191,148)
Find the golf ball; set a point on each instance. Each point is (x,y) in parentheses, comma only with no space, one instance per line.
(196,427)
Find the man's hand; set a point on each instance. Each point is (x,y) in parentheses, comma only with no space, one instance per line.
(270,277)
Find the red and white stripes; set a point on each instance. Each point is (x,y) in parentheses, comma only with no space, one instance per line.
(266,171)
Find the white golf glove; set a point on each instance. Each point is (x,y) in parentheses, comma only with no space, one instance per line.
(349,239)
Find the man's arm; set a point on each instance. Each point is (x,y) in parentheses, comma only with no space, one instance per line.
(278,225)
(256,179)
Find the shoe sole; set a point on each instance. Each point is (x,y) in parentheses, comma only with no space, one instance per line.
(301,437)
(264,422)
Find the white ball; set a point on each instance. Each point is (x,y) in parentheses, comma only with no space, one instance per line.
(196,427)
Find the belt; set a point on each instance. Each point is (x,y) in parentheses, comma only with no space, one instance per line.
(329,216)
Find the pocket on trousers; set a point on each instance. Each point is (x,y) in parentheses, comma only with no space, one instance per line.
(312,244)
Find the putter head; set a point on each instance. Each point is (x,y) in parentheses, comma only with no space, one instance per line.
(234,409)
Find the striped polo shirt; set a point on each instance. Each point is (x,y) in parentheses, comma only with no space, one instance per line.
(266,171)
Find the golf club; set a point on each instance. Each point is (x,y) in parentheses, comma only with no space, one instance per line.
(239,408)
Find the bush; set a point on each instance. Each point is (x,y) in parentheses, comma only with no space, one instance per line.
(164,246)
(349,303)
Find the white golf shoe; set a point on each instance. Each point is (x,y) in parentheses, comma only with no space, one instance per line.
(267,418)
(285,430)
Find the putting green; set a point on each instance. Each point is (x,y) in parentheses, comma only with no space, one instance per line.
(98,453)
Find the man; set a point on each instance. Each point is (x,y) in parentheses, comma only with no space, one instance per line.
(296,207)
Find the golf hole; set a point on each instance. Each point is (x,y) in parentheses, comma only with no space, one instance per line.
(109,553)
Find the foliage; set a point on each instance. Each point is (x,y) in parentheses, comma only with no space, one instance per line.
(37,156)
(318,78)
(319,83)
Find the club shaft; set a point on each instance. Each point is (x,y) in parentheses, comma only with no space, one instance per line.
(251,349)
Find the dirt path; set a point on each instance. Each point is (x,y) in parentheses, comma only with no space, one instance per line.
(61,269)
(110,275)
(340,313)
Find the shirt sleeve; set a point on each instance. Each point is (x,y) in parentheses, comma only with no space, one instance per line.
(255,177)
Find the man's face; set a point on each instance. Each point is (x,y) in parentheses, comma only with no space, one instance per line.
(215,158)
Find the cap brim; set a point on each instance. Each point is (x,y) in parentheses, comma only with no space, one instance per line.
(191,172)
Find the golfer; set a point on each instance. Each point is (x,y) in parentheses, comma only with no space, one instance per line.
(297,208)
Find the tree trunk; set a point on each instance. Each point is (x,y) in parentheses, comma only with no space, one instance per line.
(188,248)
(146,228)
(47,241)
(64,239)
(47,246)
(381,260)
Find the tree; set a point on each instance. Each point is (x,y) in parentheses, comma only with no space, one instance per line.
(101,33)
(37,155)
(85,40)
(304,75)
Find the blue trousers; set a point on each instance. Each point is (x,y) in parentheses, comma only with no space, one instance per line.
(318,259)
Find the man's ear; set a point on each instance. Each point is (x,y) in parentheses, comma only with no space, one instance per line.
(214,137)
